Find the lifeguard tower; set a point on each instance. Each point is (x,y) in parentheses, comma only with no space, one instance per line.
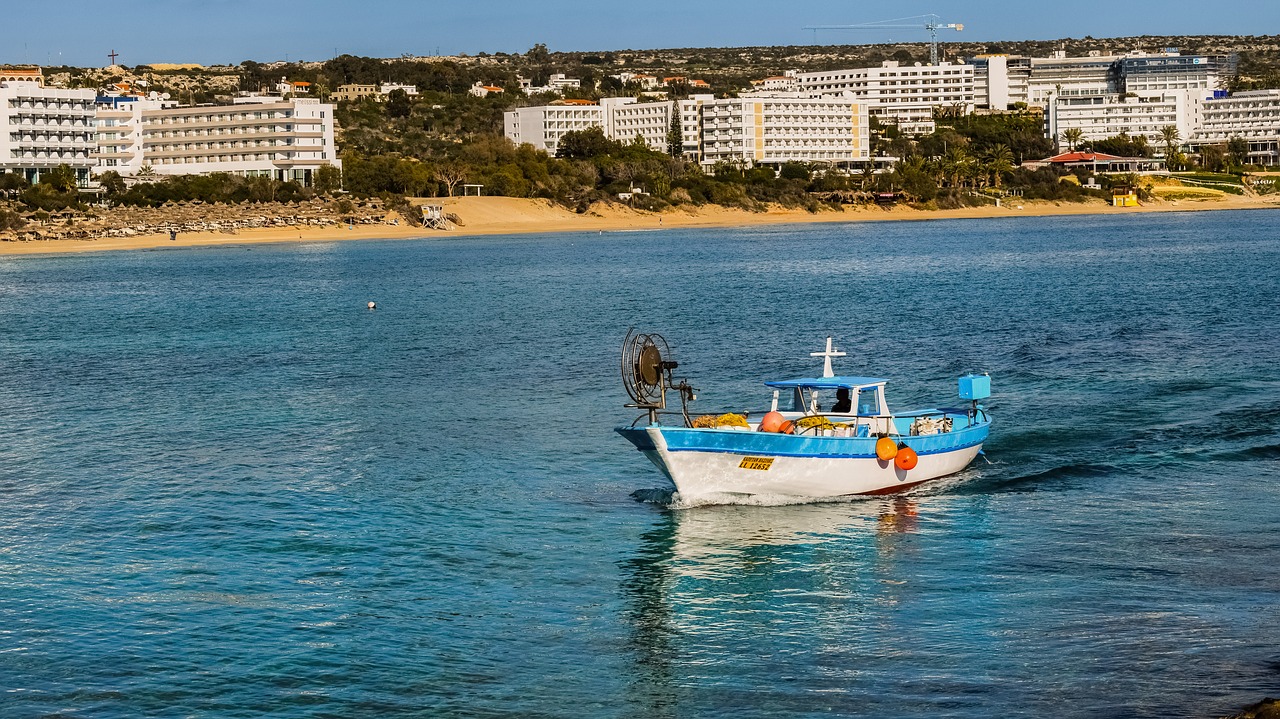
(434,216)
(1124,196)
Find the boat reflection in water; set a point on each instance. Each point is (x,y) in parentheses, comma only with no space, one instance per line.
(743,595)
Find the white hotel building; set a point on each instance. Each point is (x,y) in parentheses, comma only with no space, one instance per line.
(905,95)
(764,130)
(621,118)
(543,126)
(1003,80)
(1253,116)
(268,137)
(773,131)
(42,128)
(1099,117)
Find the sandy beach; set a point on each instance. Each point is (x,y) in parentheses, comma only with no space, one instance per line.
(506,215)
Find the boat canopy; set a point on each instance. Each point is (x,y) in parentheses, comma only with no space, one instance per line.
(827,383)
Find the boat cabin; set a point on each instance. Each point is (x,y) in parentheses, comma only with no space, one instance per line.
(816,395)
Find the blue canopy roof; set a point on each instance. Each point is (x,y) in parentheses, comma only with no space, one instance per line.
(827,382)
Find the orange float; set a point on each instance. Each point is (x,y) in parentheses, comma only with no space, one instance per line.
(788,427)
(771,422)
(886,449)
(906,458)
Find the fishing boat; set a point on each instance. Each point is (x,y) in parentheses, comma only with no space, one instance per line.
(796,448)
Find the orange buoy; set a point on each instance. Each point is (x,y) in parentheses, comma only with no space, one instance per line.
(771,422)
(906,458)
(886,449)
(787,427)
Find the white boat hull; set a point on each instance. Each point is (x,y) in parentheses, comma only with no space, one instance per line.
(807,473)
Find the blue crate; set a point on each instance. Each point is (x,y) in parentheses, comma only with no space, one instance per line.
(975,386)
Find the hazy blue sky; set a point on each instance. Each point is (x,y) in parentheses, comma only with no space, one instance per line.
(213,31)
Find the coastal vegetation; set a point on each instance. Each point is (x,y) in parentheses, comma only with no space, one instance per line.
(432,143)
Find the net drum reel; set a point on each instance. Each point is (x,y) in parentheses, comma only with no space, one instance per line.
(646,375)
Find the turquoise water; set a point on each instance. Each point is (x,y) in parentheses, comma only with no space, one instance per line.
(227,489)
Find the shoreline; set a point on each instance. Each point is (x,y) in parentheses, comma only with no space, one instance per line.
(483,216)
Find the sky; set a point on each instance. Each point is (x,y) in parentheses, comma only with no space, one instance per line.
(79,32)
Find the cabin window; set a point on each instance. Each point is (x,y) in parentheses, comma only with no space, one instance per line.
(868,402)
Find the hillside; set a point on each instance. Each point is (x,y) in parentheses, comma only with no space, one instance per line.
(726,69)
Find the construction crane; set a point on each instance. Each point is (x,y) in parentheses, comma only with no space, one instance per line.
(933,24)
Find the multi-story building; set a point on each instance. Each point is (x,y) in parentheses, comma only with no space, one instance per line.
(755,130)
(281,139)
(1000,81)
(906,95)
(626,120)
(691,124)
(22,73)
(558,83)
(1253,116)
(776,83)
(350,92)
(645,82)
(621,118)
(119,132)
(1136,115)
(479,89)
(42,128)
(389,87)
(1062,76)
(544,125)
(1158,73)
(772,131)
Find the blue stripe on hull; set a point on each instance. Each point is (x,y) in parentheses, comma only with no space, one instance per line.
(680,439)
(639,437)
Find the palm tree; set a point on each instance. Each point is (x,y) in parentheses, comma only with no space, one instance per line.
(1141,147)
(1172,140)
(1000,162)
(953,164)
(1072,137)
(914,163)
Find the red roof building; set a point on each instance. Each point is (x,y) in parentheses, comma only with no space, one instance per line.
(1098,162)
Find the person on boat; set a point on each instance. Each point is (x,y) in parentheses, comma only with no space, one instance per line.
(843,401)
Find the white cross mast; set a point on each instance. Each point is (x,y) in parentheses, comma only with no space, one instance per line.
(826,362)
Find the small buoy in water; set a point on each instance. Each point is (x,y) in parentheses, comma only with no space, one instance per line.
(771,422)
(906,458)
(886,449)
(373,305)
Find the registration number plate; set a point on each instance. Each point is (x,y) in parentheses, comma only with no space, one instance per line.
(761,463)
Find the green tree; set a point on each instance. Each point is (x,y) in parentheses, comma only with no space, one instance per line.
(796,171)
(1238,151)
(1172,140)
(112,182)
(999,163)
(586,144)
(538,54)
(327,180)
(1213,157)
(1072,137)
(411,178)
(12,183)
(398,104)
(675,134)
(955,164)
(61,178)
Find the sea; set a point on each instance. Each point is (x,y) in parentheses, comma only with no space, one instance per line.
(229,489)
